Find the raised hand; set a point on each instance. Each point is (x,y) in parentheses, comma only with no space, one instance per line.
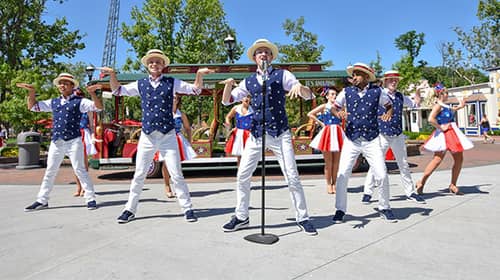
(29,87)
(93,88)
(230,81)
(299,90)
(106,70)
(205,70)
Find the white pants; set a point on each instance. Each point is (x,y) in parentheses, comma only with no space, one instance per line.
(283,149)
(74,150)
(169,150)
(398,147)
(373,154)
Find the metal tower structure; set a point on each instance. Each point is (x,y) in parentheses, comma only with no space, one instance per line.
(109,53)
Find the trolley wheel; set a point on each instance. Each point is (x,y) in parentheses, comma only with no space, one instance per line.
(154,170)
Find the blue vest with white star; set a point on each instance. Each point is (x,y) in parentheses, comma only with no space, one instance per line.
(394,125)
(362,117)
(276,119)
(157,105)
(66,118)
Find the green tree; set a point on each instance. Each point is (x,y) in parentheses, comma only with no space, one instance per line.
(411,42)
(189,31)
(448,78)
(458,67)
(201,34)
(377,65)
(14,108)
(29,50)
(482,43)
(153,27)
(304,48)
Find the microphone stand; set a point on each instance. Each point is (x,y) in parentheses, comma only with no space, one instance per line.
(262,237)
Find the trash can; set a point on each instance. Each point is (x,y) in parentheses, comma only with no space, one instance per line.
(29,150)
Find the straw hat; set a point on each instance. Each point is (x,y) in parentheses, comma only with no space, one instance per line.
(363,68)
(154,53)
(391,74)
(67,77)
(260,43)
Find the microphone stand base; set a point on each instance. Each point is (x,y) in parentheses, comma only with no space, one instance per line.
(266,238)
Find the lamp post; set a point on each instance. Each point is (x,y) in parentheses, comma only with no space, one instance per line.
(230,44)
(90,71)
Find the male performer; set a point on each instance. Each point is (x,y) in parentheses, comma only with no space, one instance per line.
(276,131)
(361,101)
(158,133)
(391,135)
(67,111)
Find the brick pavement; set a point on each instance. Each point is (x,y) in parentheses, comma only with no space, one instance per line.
(481,154)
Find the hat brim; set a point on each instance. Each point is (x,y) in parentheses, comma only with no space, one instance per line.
(144,59)
(391,77)
(253,48)
(58,79)
(371,76)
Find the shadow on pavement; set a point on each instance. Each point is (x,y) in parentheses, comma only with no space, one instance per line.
(124,191)
(207,193)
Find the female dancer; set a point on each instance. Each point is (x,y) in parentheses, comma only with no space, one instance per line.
(186,152)
(445,137)
(330,138)
(239,135)
(88,145)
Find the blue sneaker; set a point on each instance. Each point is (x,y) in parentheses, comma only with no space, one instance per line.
(92,205)
(307,227)
(338,217)
(416,198)
(36,206)
(190,217)
(126,217)
(235,224)
(366,199)
(387,215)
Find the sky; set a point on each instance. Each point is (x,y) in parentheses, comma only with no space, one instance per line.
(350,31)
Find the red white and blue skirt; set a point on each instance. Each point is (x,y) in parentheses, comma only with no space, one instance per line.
(186,152)
(452,140)
(88,146)
(236,141)
(329,139)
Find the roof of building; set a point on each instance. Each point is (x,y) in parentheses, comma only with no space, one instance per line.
(310,74)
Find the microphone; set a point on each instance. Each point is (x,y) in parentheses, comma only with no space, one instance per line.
(264,67)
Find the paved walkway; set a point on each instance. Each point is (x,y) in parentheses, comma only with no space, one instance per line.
(450,237)
(482,154)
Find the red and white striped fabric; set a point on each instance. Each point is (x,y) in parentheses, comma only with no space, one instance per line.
(186,152)
(453,140)
(88,147)
(329,139)
(236,141)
